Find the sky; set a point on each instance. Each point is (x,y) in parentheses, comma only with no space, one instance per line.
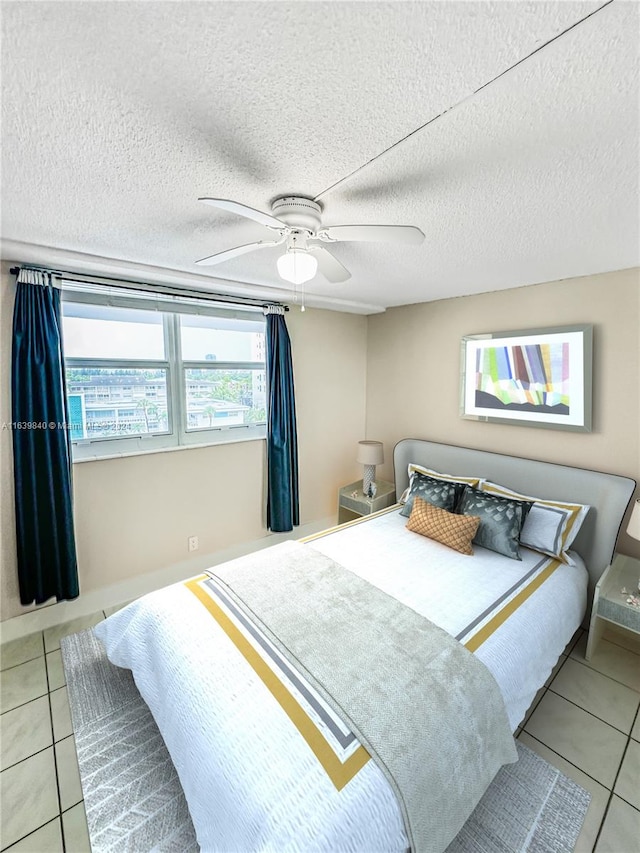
(88,337)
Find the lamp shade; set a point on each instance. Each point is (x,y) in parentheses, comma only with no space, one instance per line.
(297,266)
(370,452)
(633,528)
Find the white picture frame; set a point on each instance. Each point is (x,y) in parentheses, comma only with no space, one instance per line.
(533,377)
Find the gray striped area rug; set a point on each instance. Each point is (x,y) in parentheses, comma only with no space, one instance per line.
(135,803)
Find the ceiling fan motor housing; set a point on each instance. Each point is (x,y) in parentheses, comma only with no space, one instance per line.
(297,212)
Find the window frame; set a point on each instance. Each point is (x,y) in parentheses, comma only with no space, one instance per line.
(178,433)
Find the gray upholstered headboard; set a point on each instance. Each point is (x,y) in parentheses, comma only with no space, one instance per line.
(607,494)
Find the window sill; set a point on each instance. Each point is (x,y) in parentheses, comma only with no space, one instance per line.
(103,457)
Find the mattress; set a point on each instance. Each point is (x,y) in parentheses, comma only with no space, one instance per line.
(250,779)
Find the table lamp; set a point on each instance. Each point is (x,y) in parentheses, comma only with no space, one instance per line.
(370,454)
(633,528)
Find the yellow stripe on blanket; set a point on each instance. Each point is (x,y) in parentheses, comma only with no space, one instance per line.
(502,615)
(339,773)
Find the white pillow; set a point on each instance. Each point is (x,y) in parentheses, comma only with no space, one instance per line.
(550,526)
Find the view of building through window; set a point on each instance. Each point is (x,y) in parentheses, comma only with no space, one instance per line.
(224,397)
(107,402)
(121,382)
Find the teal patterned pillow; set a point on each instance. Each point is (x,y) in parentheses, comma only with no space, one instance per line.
(501,520)
(440,493)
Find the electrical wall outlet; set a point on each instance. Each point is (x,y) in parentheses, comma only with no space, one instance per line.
(193,543)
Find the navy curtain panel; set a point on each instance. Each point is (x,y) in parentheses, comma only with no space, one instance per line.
(47,564)
(282,439)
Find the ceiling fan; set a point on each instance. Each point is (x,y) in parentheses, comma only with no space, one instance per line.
(298,224)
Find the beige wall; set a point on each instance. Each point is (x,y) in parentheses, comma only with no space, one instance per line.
(413,373)
(135,514)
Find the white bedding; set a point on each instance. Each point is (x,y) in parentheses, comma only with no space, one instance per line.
(452,589)
(250,780)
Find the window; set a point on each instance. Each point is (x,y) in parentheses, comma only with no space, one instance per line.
(141,379)
(224,373)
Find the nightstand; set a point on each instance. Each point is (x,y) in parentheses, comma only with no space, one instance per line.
(610,605)
(350,507)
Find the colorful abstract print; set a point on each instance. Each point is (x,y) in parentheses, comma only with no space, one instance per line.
(528,378)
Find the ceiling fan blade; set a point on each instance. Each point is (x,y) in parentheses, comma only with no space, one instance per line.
(243,210)
(330,266)
(408,234)
(219,257)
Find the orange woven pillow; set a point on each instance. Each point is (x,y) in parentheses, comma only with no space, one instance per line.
(455,531)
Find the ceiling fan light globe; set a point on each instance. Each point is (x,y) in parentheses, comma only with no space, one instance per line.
(297,266)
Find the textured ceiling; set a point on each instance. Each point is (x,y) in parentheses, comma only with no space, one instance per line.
(117,116)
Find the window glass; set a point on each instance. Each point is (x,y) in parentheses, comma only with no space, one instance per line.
(106,403)
(140,379)
(97,331)
(221,339)
(216,398)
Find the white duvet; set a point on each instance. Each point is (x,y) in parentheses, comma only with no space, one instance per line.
(452,589)
(250,780)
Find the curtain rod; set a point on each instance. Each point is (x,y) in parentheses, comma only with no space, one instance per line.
(167,290)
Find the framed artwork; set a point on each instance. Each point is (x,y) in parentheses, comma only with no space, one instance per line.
(535,377)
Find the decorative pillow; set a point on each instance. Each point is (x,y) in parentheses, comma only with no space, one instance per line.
(501,520)
(440,493)
(461,482)
(455,531)
(550,526)
(451,478)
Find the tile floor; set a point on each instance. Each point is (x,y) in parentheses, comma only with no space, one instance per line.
(584,721)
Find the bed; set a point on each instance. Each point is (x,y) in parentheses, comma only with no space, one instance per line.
(269,758)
